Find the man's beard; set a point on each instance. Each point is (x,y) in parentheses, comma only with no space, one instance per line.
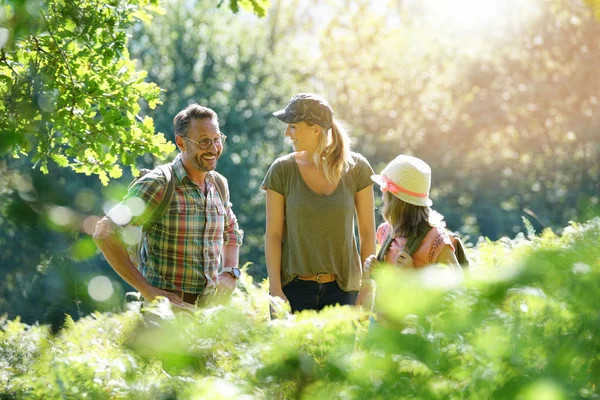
(205,165)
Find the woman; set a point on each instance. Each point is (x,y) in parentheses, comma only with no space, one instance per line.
(312,196)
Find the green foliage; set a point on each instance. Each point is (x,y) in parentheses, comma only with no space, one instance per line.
(524,328)
(70,92)
(259,7)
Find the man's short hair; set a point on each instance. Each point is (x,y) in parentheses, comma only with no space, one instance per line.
(181,122)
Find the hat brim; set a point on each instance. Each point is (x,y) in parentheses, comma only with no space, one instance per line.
(377,179)
(282,116)
(407,198)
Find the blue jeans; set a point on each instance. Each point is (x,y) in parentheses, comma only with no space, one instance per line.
(310,295)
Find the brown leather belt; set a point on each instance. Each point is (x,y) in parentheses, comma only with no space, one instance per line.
(185,296)
(319,278)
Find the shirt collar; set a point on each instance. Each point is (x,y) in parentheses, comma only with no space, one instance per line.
(181,173)
(178,168)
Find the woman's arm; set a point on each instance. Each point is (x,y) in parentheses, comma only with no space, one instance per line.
(273,241)
(365,214)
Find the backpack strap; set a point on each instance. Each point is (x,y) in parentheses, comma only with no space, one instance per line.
(386,245)
(222,188)
(412,243)
(167,198)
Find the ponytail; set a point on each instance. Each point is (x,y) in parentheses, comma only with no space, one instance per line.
(332,155)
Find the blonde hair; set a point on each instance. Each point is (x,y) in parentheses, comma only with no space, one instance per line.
(406,219)
(332,155)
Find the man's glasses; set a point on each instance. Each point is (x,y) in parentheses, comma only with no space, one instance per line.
(207,143)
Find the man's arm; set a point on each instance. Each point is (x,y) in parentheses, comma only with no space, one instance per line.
(232,240)
(108,241)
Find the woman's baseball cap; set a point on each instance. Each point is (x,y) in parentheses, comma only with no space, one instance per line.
(408,178)
(307,107)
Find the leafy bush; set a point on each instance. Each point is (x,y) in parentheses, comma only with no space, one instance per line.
(523,324)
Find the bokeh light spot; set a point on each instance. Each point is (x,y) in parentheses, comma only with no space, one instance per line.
(89,224)
(100,288)
(46,102)
(3,37)
(61,216)
(136,205)
(120,214)
(543,389)
(85,199)
(132,235)
(84,249)
(23,183)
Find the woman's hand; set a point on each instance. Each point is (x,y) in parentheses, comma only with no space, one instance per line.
(278,293)
(276,308)
(404,260)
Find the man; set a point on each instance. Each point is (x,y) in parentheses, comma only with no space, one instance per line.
(182,250)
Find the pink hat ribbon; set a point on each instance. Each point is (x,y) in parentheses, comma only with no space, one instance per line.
(389,186)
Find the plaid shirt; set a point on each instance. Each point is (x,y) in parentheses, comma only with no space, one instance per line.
(182,250)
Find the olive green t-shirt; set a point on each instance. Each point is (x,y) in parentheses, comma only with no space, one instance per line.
(319,230)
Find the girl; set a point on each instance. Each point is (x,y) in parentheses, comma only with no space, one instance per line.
(312,196)
(405,183)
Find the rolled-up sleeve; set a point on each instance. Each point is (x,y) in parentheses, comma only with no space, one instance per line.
(232,234)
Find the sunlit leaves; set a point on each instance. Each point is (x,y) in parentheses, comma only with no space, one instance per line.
(259,7)
(73,92)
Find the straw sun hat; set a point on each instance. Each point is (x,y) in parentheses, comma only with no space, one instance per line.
(408,178)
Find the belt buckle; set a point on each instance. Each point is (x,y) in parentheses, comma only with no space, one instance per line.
(319,278)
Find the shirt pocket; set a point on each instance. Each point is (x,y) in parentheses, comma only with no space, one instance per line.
(217,202)
(186,207)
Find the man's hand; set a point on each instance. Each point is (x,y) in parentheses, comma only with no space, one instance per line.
(225,286)
(152,292)
(104,228)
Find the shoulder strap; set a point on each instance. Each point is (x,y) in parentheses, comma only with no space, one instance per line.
(167,197)
(386,245)
(413,243)
(221,184)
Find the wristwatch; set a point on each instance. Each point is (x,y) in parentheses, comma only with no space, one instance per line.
(234,271)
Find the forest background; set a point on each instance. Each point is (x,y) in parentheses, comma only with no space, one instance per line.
(501,100)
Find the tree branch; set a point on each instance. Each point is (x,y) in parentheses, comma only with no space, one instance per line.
(62,54)
(8,65)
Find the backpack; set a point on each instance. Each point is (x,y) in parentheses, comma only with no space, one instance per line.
(135,251)
(413,243)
